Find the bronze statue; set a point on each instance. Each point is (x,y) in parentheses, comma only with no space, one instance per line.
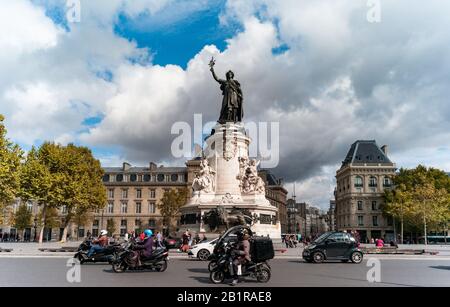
(232,110)
(220,216)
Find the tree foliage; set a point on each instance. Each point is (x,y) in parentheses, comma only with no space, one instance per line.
(10,161)
(57,176)
(170,204)
(23,217)
(421,197)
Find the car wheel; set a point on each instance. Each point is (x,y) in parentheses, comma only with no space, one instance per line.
(263,275)
(203,254)
(217,277)
(212,266)
(318,257)
(356,257)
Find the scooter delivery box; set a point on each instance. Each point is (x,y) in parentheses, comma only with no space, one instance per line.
(261,249)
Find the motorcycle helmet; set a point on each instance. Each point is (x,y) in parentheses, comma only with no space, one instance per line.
(103,232)
(148,233)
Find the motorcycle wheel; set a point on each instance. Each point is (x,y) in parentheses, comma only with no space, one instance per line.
(119,267)
(80,258)
(217,277)
(162,267)
(263,275)
(212,266)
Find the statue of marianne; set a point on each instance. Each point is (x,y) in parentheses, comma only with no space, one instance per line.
(232,110)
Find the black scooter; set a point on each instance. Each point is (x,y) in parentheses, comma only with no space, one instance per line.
(125,260)
(223,268)
(106,255)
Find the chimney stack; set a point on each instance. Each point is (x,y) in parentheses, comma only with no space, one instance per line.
(384,148)
(126,166)
(153,166)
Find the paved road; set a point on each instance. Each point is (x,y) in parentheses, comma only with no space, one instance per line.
(193,273)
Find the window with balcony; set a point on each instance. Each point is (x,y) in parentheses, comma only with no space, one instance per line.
(138,207)
(110,193)
(358,182)
(152,193)
(124,207)
(110,207)
(375,220)
(360,220)
(374,205)
(151,207)
(387,182)
(124,193)
(373,182)
(360,205)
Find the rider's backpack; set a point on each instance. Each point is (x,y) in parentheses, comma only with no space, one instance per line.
(261,249)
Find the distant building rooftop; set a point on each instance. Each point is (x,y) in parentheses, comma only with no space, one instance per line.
(366,151)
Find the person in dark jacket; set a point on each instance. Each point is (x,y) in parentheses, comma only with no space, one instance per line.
(144,248)
(242,252)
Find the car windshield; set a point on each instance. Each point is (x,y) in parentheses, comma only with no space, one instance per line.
(322,237)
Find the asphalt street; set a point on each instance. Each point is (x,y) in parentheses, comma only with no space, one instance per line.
(53,271)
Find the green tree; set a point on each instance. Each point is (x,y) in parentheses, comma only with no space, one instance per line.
(170,204)
(23,219)
(40,185)
(10,161)
(59,176)
(420,198)
(111,226)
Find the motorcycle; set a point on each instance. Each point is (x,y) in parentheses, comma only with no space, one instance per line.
(127,260)
(224,268)
(106,255)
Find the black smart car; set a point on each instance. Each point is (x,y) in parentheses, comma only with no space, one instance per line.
(333,246)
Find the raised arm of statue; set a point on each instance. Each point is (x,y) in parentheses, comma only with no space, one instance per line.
(211,64)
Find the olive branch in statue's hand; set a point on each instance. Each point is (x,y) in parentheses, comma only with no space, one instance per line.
(212,63)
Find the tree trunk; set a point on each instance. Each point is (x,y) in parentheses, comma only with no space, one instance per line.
(401,231)
(41,233)
(64,235)
(425,228)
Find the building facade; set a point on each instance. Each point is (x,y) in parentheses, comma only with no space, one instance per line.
(360,184)
(133,194)
(277,196)
(331,216)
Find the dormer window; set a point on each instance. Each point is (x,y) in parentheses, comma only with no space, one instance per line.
(119,177)
(133,177)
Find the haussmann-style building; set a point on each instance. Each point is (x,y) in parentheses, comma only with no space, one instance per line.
(360,184)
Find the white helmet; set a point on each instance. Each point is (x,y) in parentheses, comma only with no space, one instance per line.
(103,232)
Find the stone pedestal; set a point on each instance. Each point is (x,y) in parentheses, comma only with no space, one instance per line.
(227,180)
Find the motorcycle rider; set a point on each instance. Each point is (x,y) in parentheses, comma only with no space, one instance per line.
(144,248)
(242,252)
(99,244)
